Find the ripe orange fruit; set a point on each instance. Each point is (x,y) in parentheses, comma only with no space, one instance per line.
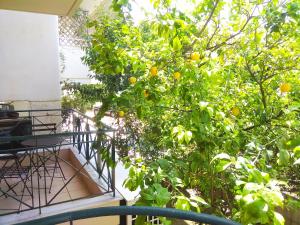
(121,113)
(176,75)
(146,93)
(235,111)
(153,71)
(285,87)
(195,56)
(132,80)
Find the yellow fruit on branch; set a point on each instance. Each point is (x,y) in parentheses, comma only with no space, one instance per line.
(195,56)
(235,111)
(285,87)
(132,80)
(176,75)
(146,93)
(121,113)
(153,71)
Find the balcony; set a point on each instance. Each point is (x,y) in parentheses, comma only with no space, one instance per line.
(50,157)
(56,160)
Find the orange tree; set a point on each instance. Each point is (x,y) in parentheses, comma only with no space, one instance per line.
(211,97)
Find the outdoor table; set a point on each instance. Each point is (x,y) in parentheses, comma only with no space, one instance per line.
(52,145)
(42,142)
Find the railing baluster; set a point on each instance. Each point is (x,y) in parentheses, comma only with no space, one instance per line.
(74,127)
(87,144)
(78,124)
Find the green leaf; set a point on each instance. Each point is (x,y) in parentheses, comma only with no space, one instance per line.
(274,197)
(164,221)
(297,162)
(180,136)
(278,219)
(239,182)
(140,220)
(176,44)
(195,205)
(221,156)
(175,130)
(223,165)
(297,151)
(164,164)
(252,187)
(284,158)
(292,204)
(148,195)
(199,200)
(182,203)
(203,105)
(292,143)
(162,195)
(257,208)
(188,136)
(257,176)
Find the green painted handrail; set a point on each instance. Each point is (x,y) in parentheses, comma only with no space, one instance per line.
(131,210)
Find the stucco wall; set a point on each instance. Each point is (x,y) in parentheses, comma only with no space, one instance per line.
(74,69)
(29,71)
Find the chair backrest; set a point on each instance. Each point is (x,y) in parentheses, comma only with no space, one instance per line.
(23,127)
(44,127)
(19,127)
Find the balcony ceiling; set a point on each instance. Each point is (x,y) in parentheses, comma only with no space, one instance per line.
(55,7)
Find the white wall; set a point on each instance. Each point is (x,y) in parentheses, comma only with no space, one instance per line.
(74,69)
(29,71)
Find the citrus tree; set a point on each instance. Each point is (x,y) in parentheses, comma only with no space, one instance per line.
(210,96)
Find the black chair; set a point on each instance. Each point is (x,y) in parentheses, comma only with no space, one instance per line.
(12,175)
(12,172)
(50,144)
(14,127)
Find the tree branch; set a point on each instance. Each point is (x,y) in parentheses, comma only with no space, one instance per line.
(209,17)
(260,84)
(212,36)
(205,24)
(263,96)
(249,17)
(251,72)
(215,47)
(281,113)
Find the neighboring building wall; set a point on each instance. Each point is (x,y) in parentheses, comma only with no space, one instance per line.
(29,71)
(71,40)
(74,70)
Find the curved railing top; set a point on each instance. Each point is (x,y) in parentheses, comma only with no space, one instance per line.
(131,210)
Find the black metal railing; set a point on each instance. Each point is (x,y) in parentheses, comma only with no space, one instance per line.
(25,159)
(131,210)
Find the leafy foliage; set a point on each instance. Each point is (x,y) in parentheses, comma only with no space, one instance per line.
(219,134)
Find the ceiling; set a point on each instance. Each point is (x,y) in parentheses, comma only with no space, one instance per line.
(55,7)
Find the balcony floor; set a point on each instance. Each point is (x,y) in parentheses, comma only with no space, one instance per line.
(80,186)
